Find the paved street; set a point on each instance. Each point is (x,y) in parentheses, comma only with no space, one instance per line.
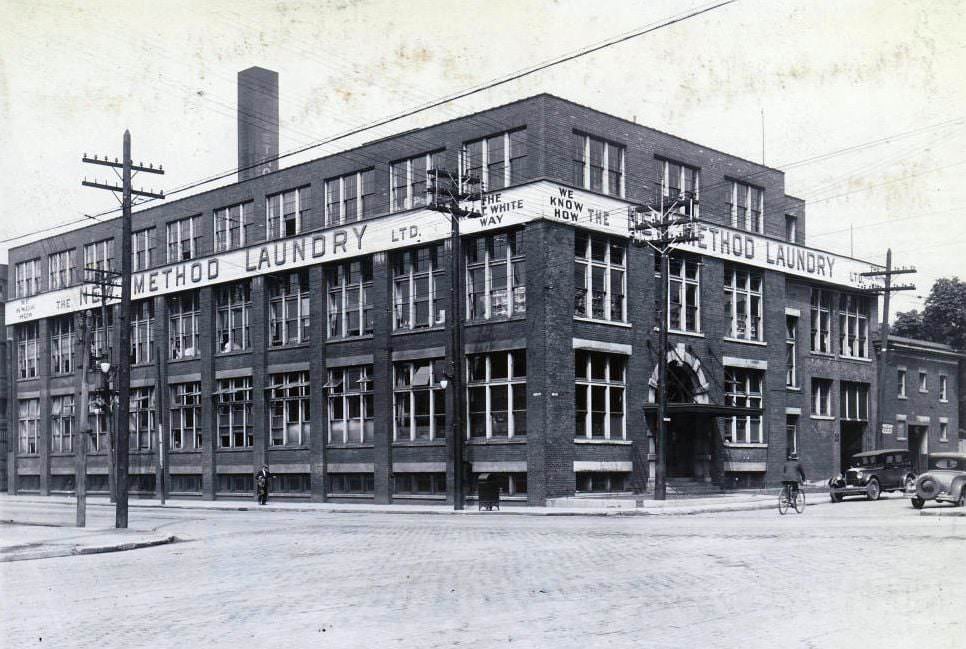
(836,575)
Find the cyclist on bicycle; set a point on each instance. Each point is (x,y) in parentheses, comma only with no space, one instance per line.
(792,474)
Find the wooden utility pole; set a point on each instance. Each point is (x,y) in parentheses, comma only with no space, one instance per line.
(123,330)
(84,426)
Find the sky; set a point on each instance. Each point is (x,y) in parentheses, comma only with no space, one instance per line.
(862,103)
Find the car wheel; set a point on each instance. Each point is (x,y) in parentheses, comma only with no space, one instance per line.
(836,498)
(909,483)
(873,491)
(918,502)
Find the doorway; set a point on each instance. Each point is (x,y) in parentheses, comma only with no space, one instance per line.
(680,456)
(918,447)
(850,441)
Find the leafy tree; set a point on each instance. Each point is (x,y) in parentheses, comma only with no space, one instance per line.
(908,324)
(944,318)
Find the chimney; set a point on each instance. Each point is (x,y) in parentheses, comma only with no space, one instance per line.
(257,122)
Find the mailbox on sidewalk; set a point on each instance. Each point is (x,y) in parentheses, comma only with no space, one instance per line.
(489,492)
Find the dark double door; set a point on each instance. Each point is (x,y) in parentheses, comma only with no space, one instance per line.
(682,431)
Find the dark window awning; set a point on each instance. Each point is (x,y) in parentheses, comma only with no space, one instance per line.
(706,409)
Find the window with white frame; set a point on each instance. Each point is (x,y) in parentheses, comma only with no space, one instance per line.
(61,266)
(746,204)
(791,228)
(599,397)
(142,331)
(407,180)
(184,323)
(743,388)
(901,382)
(62,343)
(601,481)
(943,394)
(184,239)
(821,308)
(28,349)
(901,430)
(351,409)
(419,484)
(234,408)
(351,484)
(854,401)
(923,386)
(743,310)
(97,440)
(791,351)
(286,214)
(99,255)
(141,419)
(419,290)
(679,182)
(684,293)
(791,434)
(419,401)
(62,424)
(350,198)
(853,326)
(233,226)
(289,407)
(496,388)
(142,249)
(101,335)
(599,277)
(598,165)
(186,422)
(28,420)
(510,484)
(288,309)
(498,160)
(233,307)
(943,431)
(496,281)
(822,397)
(27,278)
(349,286)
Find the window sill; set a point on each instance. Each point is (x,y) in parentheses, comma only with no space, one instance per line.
(350,445)
(185,360)
(822,417)
(822,354)
(235,449)
(186,451)
(419,330)
(857,359)
(614,323)
(902,397)
(346,339)
(337,495)
(300,447)
(614,442)
(479,441)
(28,379)
(486,321)
(417,442)
(793,388)
(419,496)
(302,345)
(923,391)
(759,343)
(745,445)
(944,401)
(234,352)
(678,332)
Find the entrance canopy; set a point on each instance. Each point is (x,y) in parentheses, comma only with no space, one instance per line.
(706,409)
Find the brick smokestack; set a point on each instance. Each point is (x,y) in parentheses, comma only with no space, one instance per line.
(257,122)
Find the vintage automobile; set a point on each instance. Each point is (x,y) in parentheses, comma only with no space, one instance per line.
(872,472)
(944,481)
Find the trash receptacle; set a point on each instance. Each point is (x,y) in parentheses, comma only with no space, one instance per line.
(489,492)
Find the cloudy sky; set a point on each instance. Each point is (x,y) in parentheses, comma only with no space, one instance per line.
(863,100)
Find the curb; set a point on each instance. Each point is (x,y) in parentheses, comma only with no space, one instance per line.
(124,547)
(943,512)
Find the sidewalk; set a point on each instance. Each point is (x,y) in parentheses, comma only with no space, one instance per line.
(23,542)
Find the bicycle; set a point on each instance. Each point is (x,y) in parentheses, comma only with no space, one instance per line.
(786,500)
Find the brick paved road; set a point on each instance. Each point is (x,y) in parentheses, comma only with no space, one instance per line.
(839,575)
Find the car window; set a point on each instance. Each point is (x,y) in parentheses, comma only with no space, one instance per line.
(946,463)
(890,460)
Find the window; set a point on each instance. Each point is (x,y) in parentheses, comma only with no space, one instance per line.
(28,419)
(791,228)
(821,303)
(496,388)
(62,344)
(27,280)
(286,214)
(791,351)
(234,401)
(419,402)
(599,273)
(233,226)
(679,182)
(242,483)
(186,422)
(511,484)
(943,395)
(684,294)
(350,198)
(922,382)
(62,424)
(290,420)
(61,269)
(821,397)
(142,249)
(28,349)
(233,314)
(497,161)
(407,180)
(101,336)
(350,294)
(601,481)
(598,165)
(292,483)
(142,331)
(854,401)
(184,239)
(496,283)
(943,431)
(351,484)
(99,255)
(901,430)
(791,434)
(853,326)
(185,483)
(743,388)
(288,309)
(746,205)
(141,419)
(184,322)
(742,297)
(419,288)
(419,484)
(901,379)
(351,409)
(97,440)
(599,402)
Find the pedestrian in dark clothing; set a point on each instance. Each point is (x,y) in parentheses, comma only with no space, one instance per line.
(793,473)
(262,480)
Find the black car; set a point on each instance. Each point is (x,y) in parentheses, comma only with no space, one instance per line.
(872,472)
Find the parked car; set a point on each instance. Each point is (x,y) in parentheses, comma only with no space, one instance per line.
(944,480)
(873,472)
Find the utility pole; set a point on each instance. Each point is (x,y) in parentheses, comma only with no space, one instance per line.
(123,331)
(162,439)
(886,291)
(446,192)
(667,223)
(84,426)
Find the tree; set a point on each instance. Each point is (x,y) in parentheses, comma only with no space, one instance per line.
(908,324)
(944,318)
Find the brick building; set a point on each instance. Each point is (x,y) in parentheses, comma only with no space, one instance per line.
(299,317)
